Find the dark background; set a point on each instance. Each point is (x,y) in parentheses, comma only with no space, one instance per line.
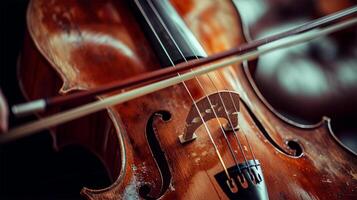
(310,80)
(29,168)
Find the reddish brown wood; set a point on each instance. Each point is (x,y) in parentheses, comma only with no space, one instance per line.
(83,61)
(160,74)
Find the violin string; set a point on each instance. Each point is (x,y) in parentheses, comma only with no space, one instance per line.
(220,96)
(226,111)
(199,83)
(33,127)
(186,88)
(234,131)
(245,135)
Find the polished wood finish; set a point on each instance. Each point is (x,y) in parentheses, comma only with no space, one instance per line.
(86,45)
(182,67)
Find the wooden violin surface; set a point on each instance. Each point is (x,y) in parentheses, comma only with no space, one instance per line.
(76,45)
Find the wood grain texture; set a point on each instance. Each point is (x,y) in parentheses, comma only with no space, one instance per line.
(86,45)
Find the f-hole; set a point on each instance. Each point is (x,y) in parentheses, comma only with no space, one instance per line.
(294,150)
(295,146)
(159,156)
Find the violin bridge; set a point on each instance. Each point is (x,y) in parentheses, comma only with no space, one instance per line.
(225,105)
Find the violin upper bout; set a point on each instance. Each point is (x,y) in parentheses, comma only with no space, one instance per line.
(86,47)
(222,27)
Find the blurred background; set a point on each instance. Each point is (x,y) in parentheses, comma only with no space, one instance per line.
(311,80)
(303,83)
(30,168)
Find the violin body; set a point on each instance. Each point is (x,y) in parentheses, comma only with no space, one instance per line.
(80,45)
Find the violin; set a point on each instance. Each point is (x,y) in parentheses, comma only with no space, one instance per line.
(283,77)
(209,133)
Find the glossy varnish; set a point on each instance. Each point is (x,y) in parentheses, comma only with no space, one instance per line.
(80,45)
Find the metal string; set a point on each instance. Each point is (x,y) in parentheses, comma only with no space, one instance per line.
(184,84)
(221,99)
(229,120)
(245,136)
(198,81)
